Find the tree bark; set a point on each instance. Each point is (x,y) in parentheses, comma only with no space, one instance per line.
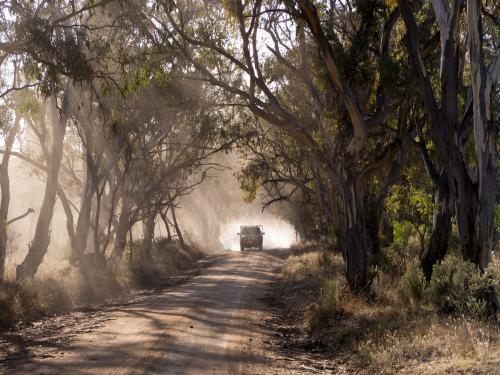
(41,239)
(474,201)
(355,237)
(373,212)
(441,227)
(163,216)
(122,228)
(5,186)
(84,217)
(177,229)
(148,228)
(485,133)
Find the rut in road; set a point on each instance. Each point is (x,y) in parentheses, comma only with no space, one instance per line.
(207,325)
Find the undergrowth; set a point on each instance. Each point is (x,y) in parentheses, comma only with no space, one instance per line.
(48,295)
(408,325)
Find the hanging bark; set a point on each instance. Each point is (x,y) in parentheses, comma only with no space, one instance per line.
(41,239)
(5,186)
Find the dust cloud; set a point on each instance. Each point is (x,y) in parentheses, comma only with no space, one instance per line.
(212,215)
(278,233)
(27,189)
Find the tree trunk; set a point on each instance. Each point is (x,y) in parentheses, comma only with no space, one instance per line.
(441,227)
(485,133)
(355,238)
(387,230)
(163,216)
(177,229)
(5,186)
(373,209)
(41,239)
(148,227)
(84,217)
(122,229)
(474,201)
(97,227)
(70,226)
(131,247)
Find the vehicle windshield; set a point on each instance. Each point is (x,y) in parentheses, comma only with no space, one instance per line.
(250,231)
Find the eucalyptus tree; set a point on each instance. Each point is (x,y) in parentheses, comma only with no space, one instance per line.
(51,50)
(10,129)
(280,169)
(469,68)
(169,136)
(323,73)
(443,207)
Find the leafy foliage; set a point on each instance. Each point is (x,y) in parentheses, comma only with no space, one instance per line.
(412,286)
(458,286)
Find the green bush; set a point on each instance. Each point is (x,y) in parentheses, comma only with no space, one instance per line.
(392,261)
(412,286)
(459,287)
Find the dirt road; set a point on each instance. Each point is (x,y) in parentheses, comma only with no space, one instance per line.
(208,325)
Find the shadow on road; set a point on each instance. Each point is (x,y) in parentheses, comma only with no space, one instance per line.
(207,324)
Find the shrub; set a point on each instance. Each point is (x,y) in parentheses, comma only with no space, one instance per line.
(55,297)
(300,267)
(145,274)
(30,300)
(330,295)
(459,286)
(323,313)
(392,261)
(7,308)
(412,286)
(326,261)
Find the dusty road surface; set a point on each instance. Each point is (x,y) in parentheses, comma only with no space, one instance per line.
(208,325)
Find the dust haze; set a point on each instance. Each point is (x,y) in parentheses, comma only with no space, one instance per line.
(210,216)
(213,213)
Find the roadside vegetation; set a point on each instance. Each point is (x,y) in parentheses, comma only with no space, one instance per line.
(22,302)
(370,126)
(405,325)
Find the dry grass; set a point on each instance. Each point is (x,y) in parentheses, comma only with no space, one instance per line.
(31,300)
(432,344)
(58,293)
(311,264)
(379,334)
